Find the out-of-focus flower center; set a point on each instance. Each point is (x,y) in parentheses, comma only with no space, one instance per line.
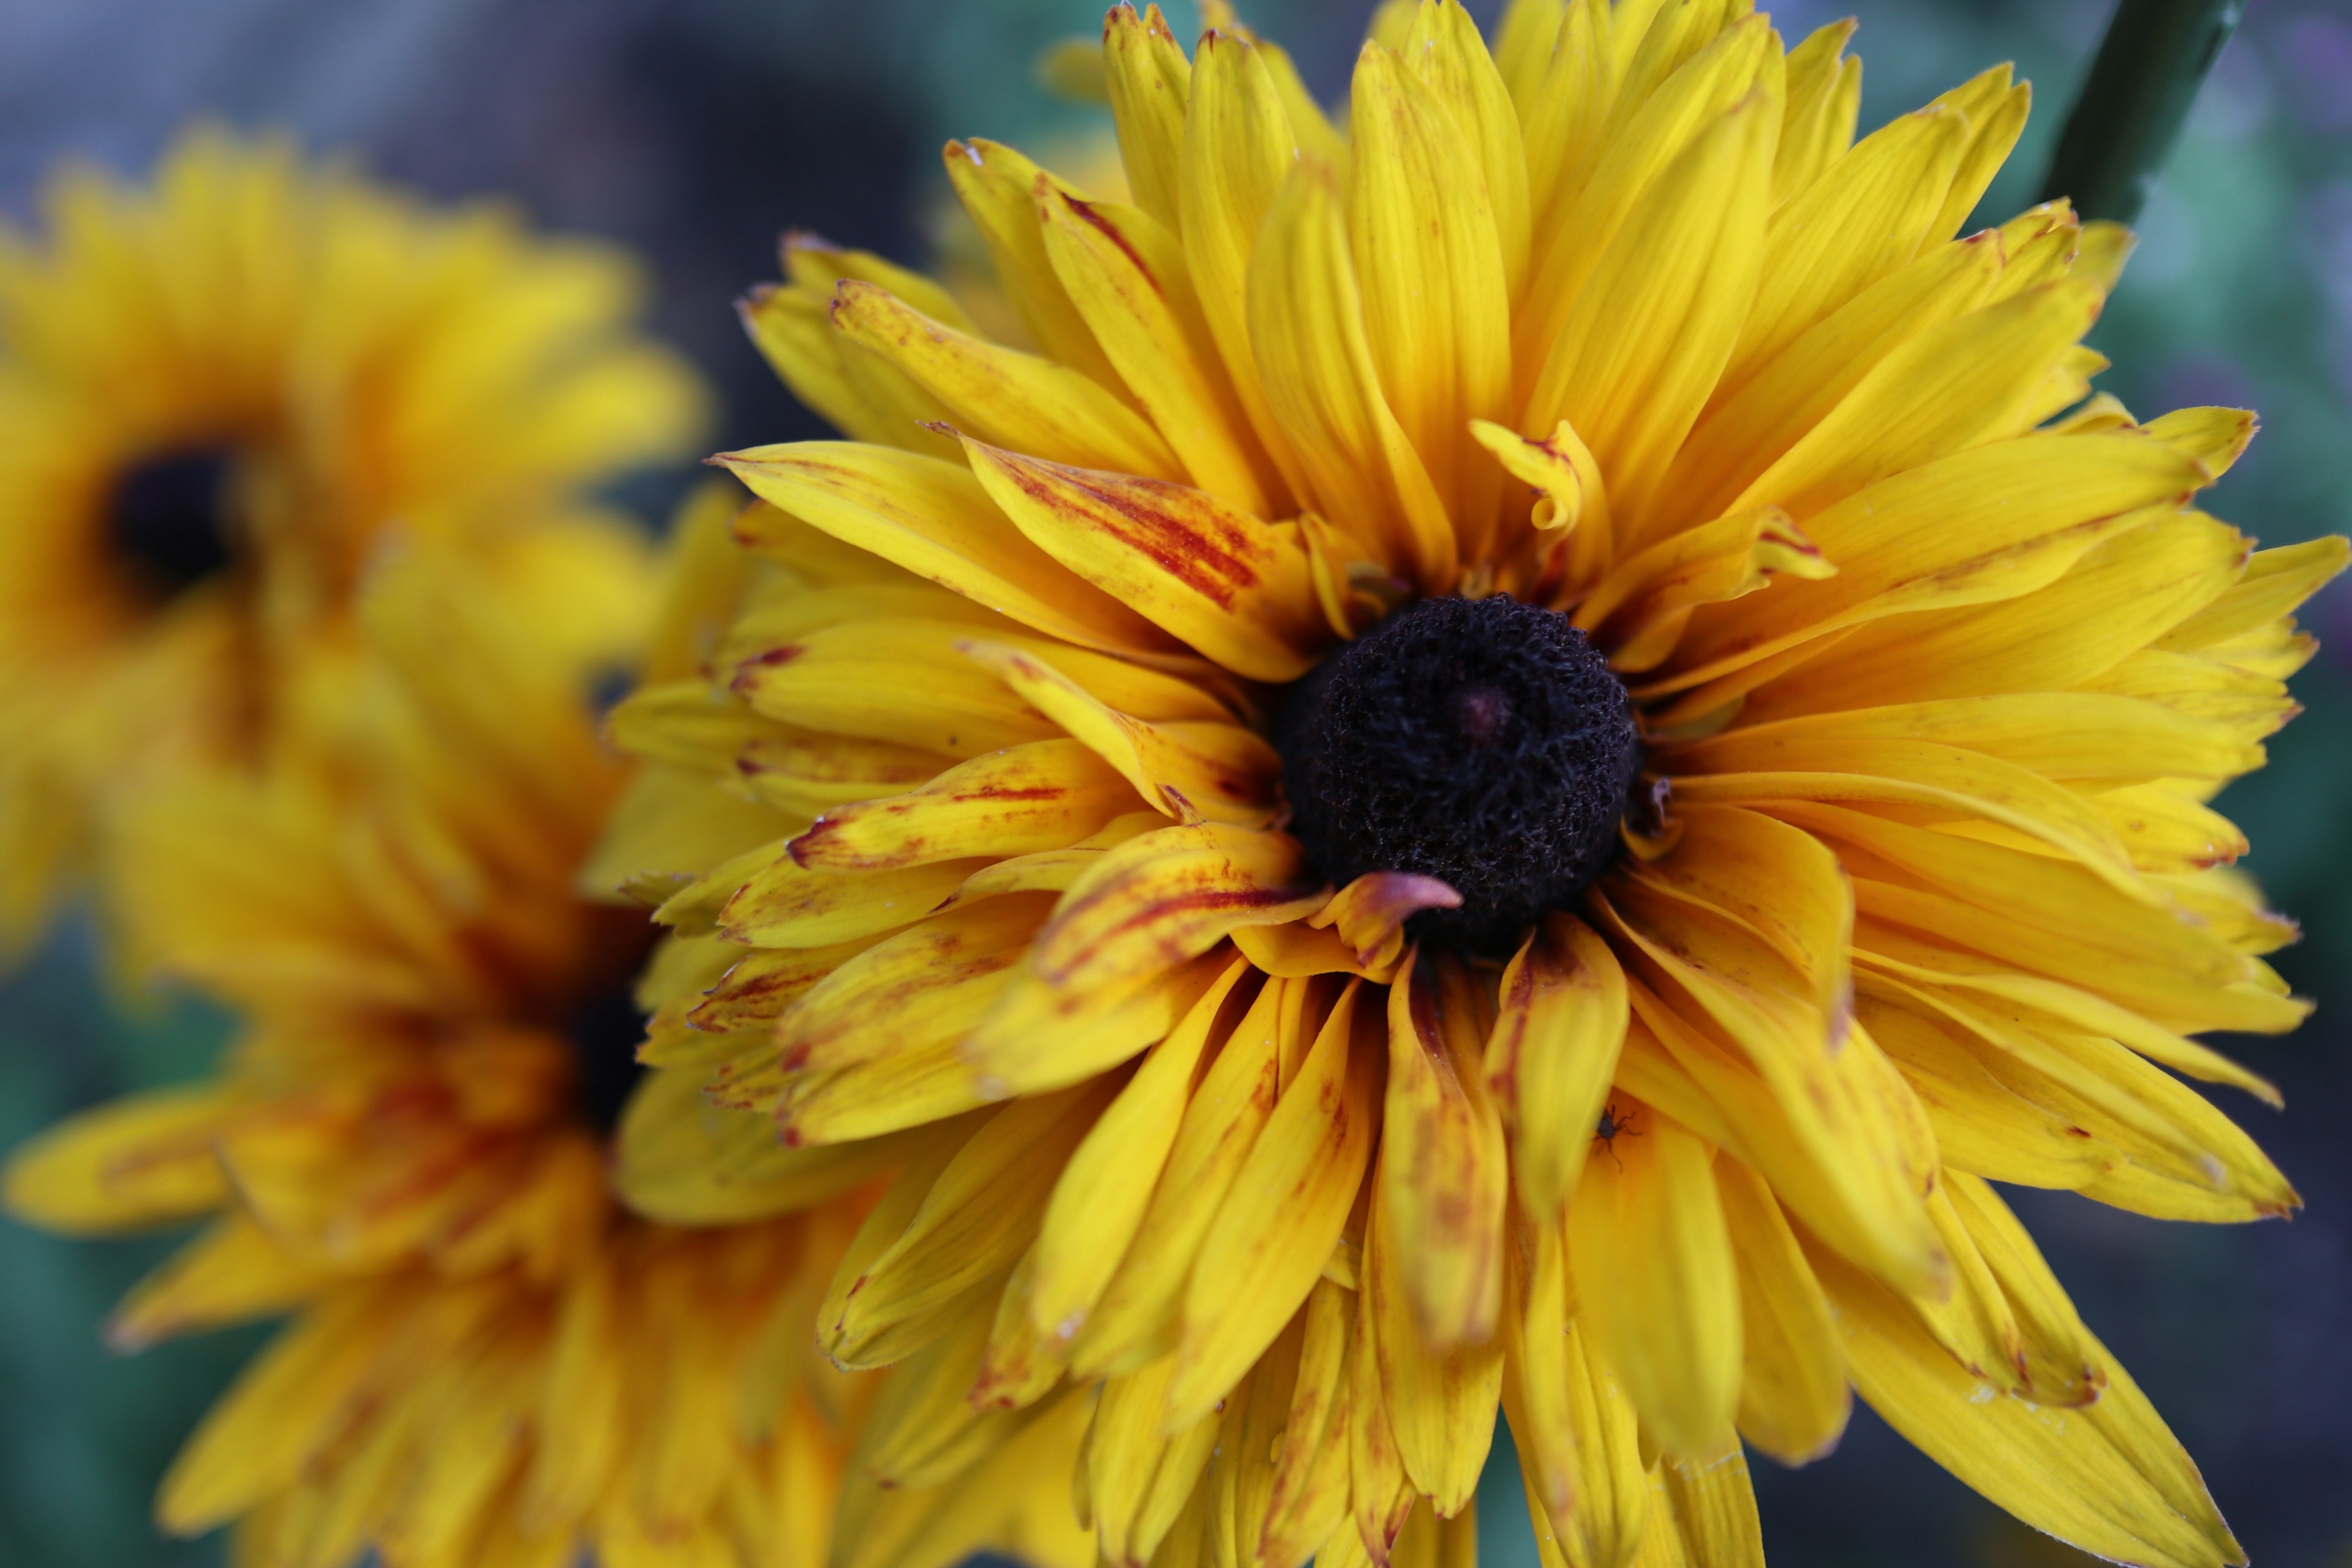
(168,521)
(605,1030)
(1481,742)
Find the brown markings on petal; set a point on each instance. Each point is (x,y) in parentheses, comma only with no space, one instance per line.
(947,966)
(1085,211)
(1176,904)
(1213,568)
(747,670)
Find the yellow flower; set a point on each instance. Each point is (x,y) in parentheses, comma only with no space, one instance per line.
(1505,764)
(222,397)
(489,1361)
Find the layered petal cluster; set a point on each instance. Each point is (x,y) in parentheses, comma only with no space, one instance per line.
(222,394)
(490,1361)
(968,831)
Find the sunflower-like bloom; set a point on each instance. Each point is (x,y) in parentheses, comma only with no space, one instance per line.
(221,395)
(1505,765)
(490,1361)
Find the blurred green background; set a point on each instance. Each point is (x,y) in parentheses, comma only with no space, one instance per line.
(695,129)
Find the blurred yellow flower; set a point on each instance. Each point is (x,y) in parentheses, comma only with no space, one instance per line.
(223,395)
(490,1361)
(1501,763)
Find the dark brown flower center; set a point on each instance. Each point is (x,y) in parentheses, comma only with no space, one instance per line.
(168,520)
(1482,741)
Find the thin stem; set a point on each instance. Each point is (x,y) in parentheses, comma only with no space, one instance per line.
(2150,65)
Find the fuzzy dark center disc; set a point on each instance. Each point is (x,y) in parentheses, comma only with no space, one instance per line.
(1483,742)
(167,521)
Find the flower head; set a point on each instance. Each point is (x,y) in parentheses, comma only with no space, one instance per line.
(223,395)
(1504,764)
(490,1357)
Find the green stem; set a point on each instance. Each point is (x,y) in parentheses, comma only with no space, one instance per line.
(2152,61)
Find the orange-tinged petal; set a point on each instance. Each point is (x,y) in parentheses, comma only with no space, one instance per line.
(1048,794)
(1157,901)
(1234,588)
(1310,1496)
(1552,1054)
(1444,1168)
(1441,1406)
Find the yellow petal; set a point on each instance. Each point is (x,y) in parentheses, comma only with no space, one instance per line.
(923,987)
(1140,1480)
(1127,276)
(1444,1168)
(1232,587)
(931,518)
(1971,379)
(1553,1051)
(1714,1510)
(1043,1036)
(1142,1311)
(2109,1479)
(1168,896)
(1214,771)
(1866,216)
(684,1160)
(234,1272)
(1656,1285)
(1048,794)
(1149,81)
(1098,1202)
(1307,326)
(1641,135)
(2058,1360)
(1824,94)
(136,1161)
(1430,261)
(1002,394)
(1238,144)
(1265,1249)
(1793,1398)
(975,1220)
(783,905)
(1440,1407)
(997,187)
(1310,1494)
(1444,48)
(1747,427)
(1634,365)
(287,1402)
